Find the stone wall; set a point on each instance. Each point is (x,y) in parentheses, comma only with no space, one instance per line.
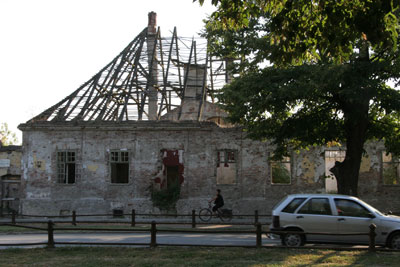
(199,143)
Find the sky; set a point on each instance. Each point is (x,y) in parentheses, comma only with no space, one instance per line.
(48,48)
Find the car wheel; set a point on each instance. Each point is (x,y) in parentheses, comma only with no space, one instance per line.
(394,240)
(293,240)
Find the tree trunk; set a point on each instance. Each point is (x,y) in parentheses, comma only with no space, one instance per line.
(355,111)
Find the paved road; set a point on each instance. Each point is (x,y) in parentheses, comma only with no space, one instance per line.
(162,238)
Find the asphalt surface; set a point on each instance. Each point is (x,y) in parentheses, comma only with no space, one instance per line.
(164,238)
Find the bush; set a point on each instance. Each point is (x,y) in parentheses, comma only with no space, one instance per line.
(165,199)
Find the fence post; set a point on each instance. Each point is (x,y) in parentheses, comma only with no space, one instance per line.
(50,234)
(13,217)
(73,217)
(372,235)
(255,216)
(258,233)
(133,218)
(193,219)
(153,231)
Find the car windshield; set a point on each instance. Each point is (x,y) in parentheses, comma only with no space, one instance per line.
(371,208)
(277,204)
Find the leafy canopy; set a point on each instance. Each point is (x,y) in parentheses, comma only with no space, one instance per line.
(7,137)
(311,72)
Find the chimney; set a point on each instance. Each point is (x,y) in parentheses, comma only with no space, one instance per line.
(152,61)
(193,101)
(152,24)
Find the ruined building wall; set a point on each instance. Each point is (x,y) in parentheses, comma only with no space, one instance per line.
(200,149)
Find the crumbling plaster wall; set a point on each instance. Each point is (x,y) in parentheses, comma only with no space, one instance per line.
(93,192)
(10,157)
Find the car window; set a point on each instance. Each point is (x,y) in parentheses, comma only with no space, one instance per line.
(293,205)
(279,203)
(351,208)
(316,206)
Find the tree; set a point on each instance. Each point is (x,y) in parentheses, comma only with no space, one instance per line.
(7,137)
(311,73)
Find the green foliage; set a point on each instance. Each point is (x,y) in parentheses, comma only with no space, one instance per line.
(280,174)
(312,73)
(166,198)
(7,137)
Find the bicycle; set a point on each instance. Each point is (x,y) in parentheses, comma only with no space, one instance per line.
(206,214)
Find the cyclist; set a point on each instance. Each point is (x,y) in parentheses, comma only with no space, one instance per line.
(218,201)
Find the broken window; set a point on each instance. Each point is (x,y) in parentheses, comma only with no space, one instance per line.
(66,167)
(172,176)
(390,169)
(281,171)
(331,156)
(226,166)
(119,166)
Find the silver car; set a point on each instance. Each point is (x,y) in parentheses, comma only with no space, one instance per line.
(333,215)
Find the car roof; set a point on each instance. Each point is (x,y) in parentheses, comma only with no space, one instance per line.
(320,195)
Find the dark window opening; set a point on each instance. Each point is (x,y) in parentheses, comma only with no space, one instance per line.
(119,164)
(172,176)
(118,213)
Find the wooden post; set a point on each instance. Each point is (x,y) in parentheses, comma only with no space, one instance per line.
(13,217)
(193,219)
(256,217)
(73,217)
(153,231)
(133,218)
(258,233)
(50,234)
(372,235)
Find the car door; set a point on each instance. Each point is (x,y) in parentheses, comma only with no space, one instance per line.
(353,217)
(315,216)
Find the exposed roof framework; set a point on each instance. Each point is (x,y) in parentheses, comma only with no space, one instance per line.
(150,68)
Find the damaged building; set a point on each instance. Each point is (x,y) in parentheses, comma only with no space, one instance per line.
(10,178)
(149,122)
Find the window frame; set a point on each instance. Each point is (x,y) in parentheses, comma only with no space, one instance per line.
(284,161)
(354,202)
(227,160)
(305,203)
(120,159)
(62,166)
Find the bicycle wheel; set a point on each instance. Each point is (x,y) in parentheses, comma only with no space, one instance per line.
(205,215)
(225,216)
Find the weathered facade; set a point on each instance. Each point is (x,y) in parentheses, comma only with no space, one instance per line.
(148,122)
(10,178)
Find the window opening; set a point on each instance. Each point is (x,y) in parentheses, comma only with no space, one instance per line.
(331,156)
(118,213)
(226,166)
(172,176)
(281,171)
(66,167)
(390,169)
(119,164)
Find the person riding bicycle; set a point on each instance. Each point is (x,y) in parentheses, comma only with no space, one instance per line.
(218,201)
